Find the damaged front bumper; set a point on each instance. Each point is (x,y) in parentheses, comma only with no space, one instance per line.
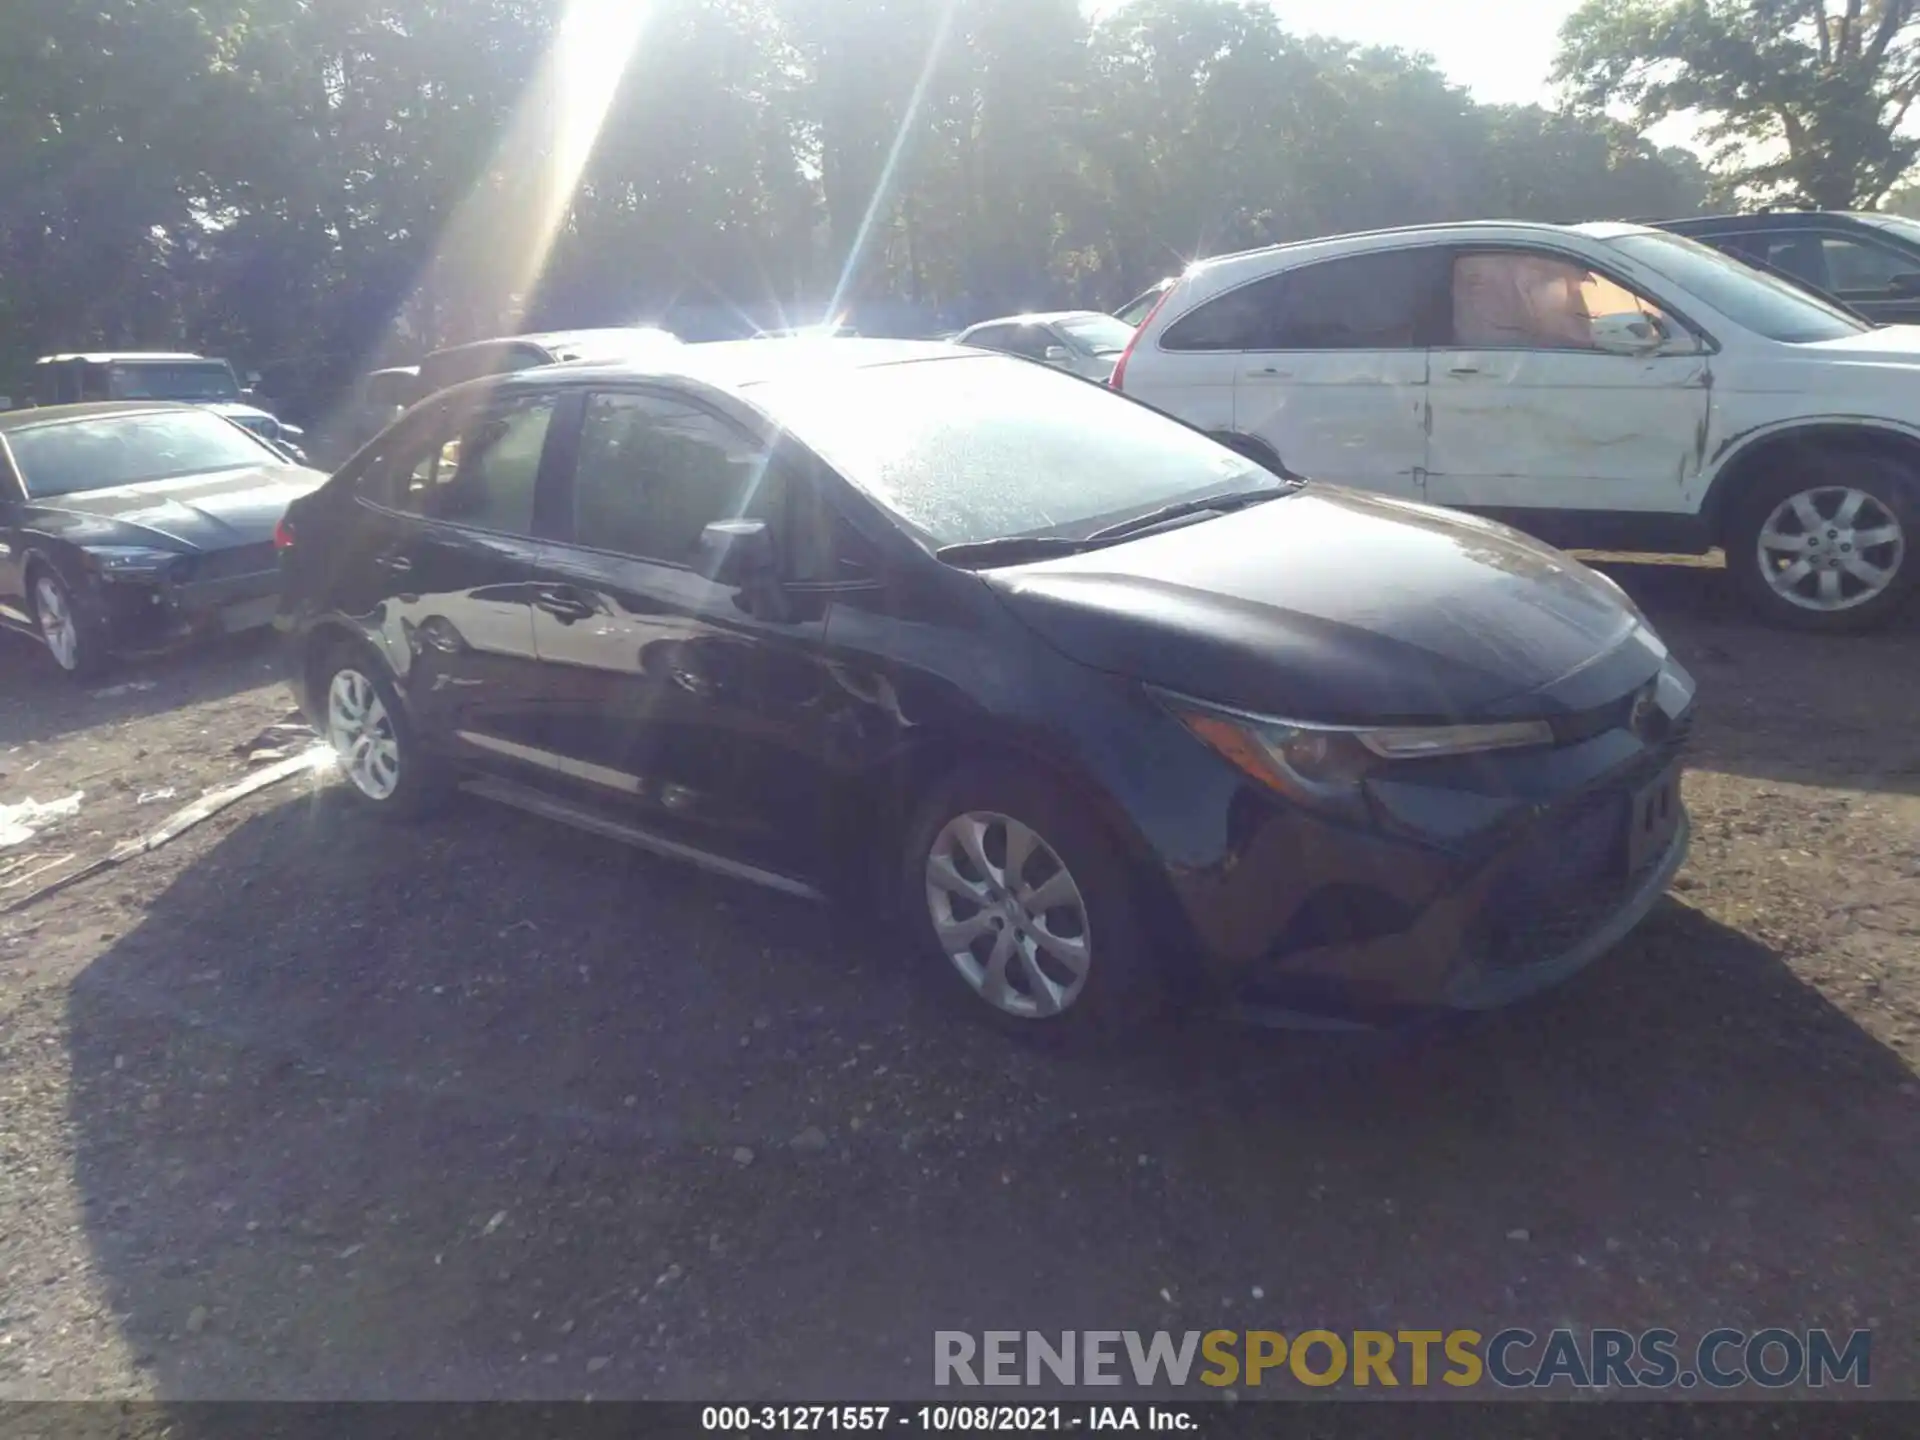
(223,592)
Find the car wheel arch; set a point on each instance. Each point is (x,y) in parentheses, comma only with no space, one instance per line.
(911,777)
(1759,455)
(327,641)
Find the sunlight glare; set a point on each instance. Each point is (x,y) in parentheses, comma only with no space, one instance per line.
(493,252)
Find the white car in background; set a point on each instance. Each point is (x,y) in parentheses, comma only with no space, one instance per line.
(1085,342)
(1602,386)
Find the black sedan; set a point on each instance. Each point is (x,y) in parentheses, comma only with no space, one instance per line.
(1091,701)
(128,526)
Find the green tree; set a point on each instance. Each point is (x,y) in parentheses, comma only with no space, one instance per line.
(1801,99)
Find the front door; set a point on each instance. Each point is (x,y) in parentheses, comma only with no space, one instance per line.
(701,704)
(1560,389)
(1336,379)
(444,561)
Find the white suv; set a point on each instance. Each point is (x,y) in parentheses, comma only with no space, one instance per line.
(1600,386)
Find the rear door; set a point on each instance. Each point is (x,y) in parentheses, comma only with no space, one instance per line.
(1335,377)
(1554,392)
(701,704)
(444,561)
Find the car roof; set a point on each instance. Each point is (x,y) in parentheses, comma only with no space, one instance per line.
(1769,220)
(1038,317)
(121,357)
(12,421)
(558,339)
(1463,230)
(735,364)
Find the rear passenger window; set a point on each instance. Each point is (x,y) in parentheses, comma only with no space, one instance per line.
(474,466)
(1236,320)
(1358,302)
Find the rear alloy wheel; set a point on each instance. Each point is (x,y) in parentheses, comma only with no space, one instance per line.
(76,647)
(361,732)
(1026,903)
(1830,547)
(368,730)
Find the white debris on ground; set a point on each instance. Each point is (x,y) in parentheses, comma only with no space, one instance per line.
(21,821)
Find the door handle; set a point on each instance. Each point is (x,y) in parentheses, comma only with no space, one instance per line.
(1273,370)
(398,564)
(563,604)
(1464,370)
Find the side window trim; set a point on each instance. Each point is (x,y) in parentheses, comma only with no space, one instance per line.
(1445,341)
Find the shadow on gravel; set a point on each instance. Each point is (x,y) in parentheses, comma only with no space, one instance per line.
(38,703)
(485,1109)
(1779,704)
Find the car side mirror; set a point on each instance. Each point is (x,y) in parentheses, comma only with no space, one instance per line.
(1629,333)
(1906,283)
(737,553)
(1058,355)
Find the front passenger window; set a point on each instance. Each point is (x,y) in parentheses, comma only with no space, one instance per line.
(1518,299)
(653,473)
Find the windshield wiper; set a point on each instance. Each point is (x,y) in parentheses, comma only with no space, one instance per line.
(1008,550)
(1231,500)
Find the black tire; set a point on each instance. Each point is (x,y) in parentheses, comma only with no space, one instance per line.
(91,653)
(422,781)
(1122,987)
(1892,489)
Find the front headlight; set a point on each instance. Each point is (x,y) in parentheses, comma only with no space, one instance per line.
(128,559)
(1620,591)
(1323,766)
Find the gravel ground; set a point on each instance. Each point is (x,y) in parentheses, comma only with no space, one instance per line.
(302,1106)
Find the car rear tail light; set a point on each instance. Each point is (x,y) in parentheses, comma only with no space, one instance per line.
(282,534)
(1118,380)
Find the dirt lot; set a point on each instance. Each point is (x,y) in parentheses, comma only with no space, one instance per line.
(302,1106)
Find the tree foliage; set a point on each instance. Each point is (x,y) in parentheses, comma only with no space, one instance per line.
(1802,99)
(312,186)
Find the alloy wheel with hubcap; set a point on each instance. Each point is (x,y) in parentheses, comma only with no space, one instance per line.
(1009,914)
(362,733)
(58,627)
(1831,548)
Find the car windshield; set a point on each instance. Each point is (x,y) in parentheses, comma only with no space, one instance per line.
(76,455)
(1750,298)
(981,447)
(1101,334)
(172,380)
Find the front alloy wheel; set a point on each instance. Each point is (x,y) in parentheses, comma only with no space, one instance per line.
(1822,543)
(1832,548)
(1009,915)
(361,731)
(76,647)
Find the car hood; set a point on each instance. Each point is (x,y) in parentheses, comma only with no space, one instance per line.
(1886,345)
(190,513)
(1331,606)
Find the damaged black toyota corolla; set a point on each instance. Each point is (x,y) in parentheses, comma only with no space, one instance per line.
(127,526)
(1096,703)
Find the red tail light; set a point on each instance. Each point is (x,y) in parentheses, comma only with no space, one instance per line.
(1118,380)
(282,534)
